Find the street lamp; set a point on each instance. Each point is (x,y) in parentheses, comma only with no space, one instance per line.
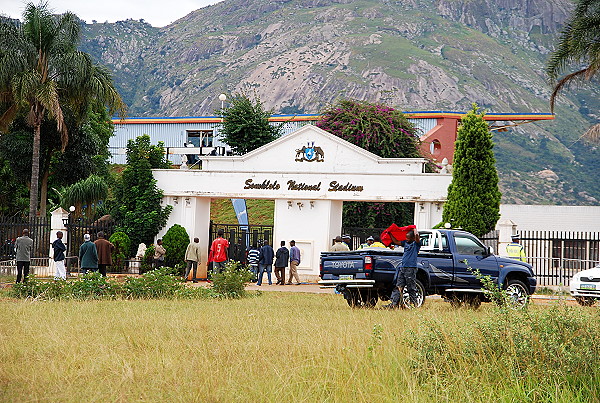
(223,98)
(72,209)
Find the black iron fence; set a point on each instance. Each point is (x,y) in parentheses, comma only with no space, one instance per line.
(241,237)
(12,227)
(78,227)
(359,235)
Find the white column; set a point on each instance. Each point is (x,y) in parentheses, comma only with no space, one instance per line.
(506,228)
(428,214)
(312,224)
(57,223)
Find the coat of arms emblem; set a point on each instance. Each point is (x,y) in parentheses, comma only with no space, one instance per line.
(310,153)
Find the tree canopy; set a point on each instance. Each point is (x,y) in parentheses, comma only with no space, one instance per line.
(381,130)
(43,74)
(473,196)
(246,124)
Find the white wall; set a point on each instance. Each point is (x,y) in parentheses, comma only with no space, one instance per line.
(552,218)
(311,225)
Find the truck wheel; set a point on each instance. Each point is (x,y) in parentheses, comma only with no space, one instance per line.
(368,298)
(352,297)
(420,296)
(585,301)
(517,291)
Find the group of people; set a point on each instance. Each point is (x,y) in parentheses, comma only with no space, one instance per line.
(217,256)
(261,260)
(343,243)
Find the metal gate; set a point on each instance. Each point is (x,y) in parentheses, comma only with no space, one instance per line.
(12,227)
(241,237)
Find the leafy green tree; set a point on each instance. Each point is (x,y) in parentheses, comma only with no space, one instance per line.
(383,131)
(473,196)
(13,193)
(86,153)
(175,242)
(122,248)
(579,46)
(43,73)
(138,208)
(246,124)
(87,192)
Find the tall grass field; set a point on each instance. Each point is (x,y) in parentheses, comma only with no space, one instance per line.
(293,347)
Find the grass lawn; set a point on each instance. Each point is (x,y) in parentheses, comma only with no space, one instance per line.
(275,347)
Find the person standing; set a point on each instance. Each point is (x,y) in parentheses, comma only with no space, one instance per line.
(104,248)
(59,249)
(347,239)
(338,245)
(265,262)
(407,275)
(367,244)
(218,251)
(192,257)
(282,256)
(294,262)
(23,248)
(159,254)
(88,255)
(515,250)
(253,255)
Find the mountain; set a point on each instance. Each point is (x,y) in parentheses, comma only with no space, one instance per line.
(300,55)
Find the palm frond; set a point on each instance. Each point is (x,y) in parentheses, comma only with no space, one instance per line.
(563,82)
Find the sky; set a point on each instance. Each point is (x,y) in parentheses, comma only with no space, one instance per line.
(156,12)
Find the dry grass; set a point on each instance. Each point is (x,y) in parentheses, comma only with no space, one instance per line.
(277,347)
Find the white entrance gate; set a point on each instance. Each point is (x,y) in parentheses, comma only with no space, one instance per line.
(309,174)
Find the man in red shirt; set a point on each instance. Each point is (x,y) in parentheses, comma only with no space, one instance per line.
(218,251)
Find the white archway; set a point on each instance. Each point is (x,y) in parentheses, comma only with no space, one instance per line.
(309,174)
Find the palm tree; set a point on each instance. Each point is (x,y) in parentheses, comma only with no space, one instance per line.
(579,44)
(42,73)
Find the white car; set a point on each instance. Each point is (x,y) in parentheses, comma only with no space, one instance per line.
(585,286)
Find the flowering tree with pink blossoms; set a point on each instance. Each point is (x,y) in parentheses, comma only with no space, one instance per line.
(383,131)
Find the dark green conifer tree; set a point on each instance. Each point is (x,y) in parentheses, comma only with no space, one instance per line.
(473,196)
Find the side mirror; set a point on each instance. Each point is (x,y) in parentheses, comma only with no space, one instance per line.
(490,250)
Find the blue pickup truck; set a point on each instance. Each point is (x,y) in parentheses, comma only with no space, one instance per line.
(445,266)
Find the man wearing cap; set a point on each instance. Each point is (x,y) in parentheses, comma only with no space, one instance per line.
(88,255)
(515,250)
(367,244)
(338,245)
(347,239)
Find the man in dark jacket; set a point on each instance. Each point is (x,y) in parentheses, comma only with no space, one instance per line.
(281,261)
(88,255)
(59,249)
(104,249)
(265,262)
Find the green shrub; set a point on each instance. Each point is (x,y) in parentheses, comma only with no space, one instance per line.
(159,283)
(231,282)
(122,246)
(148,259)
(175,243)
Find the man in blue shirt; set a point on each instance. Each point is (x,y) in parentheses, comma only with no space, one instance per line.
(265,262)
(407,275)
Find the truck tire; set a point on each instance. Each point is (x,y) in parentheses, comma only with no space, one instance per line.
(517,290)
(360,298)
(585,301)
(420,295)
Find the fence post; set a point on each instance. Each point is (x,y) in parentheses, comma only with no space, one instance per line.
(57,223)
(506,229)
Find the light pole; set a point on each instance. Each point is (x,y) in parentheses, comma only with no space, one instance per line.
(222,98)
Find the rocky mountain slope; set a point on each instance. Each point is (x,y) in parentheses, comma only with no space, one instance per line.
(299,55)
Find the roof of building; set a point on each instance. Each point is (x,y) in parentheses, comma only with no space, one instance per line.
(304,118)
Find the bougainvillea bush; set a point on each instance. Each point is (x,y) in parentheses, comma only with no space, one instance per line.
(384,131)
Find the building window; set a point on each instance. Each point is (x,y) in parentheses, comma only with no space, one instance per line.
(200,138)
(435,147)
